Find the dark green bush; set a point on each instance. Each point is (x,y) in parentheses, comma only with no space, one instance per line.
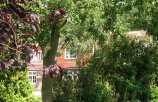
(93,87)
(65,89)
(88,88)
(129,66)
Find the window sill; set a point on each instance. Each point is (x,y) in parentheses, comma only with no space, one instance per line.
(70,58)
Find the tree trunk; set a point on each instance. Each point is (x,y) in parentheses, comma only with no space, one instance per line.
(49,59)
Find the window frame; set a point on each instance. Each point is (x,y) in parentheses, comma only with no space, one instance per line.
(37,57)
(33,76)
(67,51)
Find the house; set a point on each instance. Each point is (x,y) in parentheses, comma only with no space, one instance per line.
(66,60)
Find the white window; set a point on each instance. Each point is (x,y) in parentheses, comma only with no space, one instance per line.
(70,54)
(37,57)
(33,76)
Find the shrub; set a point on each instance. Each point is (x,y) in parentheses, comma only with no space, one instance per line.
(65,89)
(93,87)
(154,93)
(14,86)
(129,66)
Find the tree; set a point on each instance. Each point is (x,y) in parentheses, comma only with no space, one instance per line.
(15,22)
(80,24)
(76,23)
(127,65)
(110,17)
(83,23)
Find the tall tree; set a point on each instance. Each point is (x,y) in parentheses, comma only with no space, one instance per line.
(82,24)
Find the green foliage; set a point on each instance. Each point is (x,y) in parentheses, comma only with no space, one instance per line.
(36,99)
(14,86)
(90,87)
(154,93)
(83,23)
(93,87)
(65,90)
(129,66)
(122,69)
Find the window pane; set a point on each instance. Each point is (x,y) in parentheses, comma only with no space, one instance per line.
(30,78)
(70,53)
(30,73)
(33,76)
(34,79)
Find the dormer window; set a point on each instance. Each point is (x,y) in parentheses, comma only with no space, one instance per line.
(37,57)
(70,54)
